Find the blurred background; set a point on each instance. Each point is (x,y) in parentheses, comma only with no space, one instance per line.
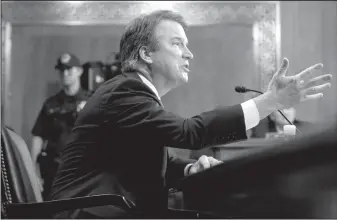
(234,43)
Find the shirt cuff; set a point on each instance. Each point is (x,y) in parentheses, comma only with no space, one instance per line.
(187,168)
(251,114)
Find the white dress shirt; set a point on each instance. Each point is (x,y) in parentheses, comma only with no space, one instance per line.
(250,111)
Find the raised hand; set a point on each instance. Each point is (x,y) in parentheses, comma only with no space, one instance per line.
(291,90)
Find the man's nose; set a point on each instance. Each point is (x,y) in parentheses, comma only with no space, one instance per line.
(66,72)
(188,54)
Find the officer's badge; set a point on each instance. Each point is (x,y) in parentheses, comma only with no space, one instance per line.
(80,106)
(99,79)
(65,58)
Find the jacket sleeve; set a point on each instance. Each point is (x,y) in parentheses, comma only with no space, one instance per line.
(175,167)
(133,107)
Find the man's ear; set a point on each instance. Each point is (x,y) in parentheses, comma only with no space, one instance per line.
(80,70)
(145,54)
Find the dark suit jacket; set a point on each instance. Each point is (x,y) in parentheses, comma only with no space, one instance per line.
(118,144)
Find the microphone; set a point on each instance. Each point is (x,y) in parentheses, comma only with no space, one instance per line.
(242,89)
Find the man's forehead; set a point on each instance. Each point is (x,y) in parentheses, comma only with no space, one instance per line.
(170,29)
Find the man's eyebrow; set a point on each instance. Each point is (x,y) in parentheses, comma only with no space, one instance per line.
(181,39)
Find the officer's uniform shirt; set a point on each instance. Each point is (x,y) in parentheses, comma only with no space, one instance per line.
(57,118)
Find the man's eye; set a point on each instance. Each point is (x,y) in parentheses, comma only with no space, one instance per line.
(176,43)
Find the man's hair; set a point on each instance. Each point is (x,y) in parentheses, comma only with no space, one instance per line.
(140,32)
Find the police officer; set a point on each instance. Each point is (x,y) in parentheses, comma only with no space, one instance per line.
(56,119)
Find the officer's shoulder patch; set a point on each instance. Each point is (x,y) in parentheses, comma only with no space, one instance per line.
(80,106)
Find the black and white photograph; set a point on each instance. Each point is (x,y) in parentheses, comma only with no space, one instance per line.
(168,109)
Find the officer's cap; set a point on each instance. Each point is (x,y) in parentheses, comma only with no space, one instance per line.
(66,61)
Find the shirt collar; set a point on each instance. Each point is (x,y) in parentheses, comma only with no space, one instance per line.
(149,84)
(81,94)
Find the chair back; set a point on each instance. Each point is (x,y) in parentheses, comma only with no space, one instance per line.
(18,179)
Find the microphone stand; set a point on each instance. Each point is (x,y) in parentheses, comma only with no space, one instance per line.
(252,90)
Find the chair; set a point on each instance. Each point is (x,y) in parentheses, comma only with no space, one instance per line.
(21,196)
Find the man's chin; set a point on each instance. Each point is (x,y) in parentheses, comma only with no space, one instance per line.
(184,77)
(181,79)
(67,84)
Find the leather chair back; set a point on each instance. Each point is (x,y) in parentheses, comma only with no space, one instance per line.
(20,181)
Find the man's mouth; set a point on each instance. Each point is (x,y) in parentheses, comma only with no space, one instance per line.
(185,67)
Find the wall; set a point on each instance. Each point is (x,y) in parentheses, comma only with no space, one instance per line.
(309,36)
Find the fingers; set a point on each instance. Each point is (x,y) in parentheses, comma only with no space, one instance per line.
(309,70)
(316,89)
(204,162)
(283,69)
(312,97)
(318,80)
(200,165)
(214,161)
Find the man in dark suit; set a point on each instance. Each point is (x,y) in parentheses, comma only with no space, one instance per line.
(118,144)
